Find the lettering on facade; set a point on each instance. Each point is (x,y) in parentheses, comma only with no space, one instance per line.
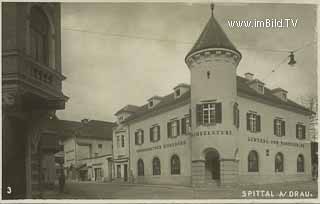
(274,142)
(164,146)
(212,132)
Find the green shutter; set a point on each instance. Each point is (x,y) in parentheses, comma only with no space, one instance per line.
(303,131)
(136,138)
(178,127)
(297,131)
(238,118)
(248,121)
(275,127)
(199,114)
(158,132)
(183,126)
(142,137)
(218,112)
(169,129)
(283,128)
(151,134)
(258,123)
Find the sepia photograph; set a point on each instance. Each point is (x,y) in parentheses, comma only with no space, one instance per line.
(159,101)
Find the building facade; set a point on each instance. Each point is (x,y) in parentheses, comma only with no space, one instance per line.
(31,90)
(87,150)
(221,129)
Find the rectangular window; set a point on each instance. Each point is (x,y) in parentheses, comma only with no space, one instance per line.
(118,141)
(122,140)
(185,125)
(253,122)
(139,137)
(155,133)
(209,113)
(173,128)
(300,131)
(279,127)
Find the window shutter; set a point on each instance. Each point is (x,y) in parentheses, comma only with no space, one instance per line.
(199,114)
(303,131)
(169,129)
(297,131)
(283,128)
(258,123)
(234,115)
(151,134)
(238,118)
(248,121)
(275,126)
(218,113)
(158,138)
(190,119)
(183,126)
(178,127)
(136,138)
(142,136)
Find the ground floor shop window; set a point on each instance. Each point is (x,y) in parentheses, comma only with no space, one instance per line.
(175,165)
(140,168)
(253,162)
(156,166)
(118,171)
(279,162)
(300,163)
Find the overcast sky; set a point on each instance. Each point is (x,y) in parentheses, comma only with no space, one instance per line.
(114,54)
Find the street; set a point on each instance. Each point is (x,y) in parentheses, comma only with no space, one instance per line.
(89,190)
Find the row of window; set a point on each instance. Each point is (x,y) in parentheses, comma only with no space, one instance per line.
(210,114)
(173,130)
(156,166)
(253,162)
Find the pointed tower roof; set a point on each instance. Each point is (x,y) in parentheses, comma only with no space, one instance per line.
(212,36)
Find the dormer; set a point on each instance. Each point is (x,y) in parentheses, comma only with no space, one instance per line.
(255,84)
(280,93)
(180,89)
(153,101)
(125,112)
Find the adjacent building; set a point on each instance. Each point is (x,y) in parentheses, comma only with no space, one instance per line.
(87,149)
(31,92)
(221,129)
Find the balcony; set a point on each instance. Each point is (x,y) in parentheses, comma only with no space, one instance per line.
(30,82)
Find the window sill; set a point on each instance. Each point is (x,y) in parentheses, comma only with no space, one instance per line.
(155,141)
(173,137)
(254,173)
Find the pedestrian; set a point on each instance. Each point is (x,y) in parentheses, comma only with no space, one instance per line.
(314,171)
(61,182)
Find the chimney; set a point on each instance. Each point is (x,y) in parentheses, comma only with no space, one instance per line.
(85,121)
(249,76)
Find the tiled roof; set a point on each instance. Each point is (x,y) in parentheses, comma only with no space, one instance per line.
(93,129)
(212,36)
(128,108)
(169,101)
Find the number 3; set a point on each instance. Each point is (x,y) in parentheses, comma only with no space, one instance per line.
(9,191)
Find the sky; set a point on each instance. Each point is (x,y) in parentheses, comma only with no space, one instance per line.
(114,54)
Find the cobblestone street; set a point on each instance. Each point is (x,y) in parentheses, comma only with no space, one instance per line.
(88,190)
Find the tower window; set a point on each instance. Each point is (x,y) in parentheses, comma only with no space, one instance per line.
(177,92)
(236,121)
(209,113)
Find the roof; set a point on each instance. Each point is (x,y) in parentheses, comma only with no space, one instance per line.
(92,129)
(169,101)
(128,108)
(212,36)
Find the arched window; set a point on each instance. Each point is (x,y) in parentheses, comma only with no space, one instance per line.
(300,163)
(253,161)
(156,166)
(39,35)
(278,162)
(140,167)
(175,164)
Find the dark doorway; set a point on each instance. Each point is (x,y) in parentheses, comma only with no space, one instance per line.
(212,165)
(125,172)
